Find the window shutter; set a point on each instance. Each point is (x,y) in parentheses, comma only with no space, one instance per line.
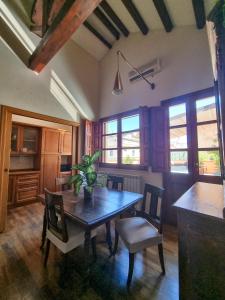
(159,149)
(96,133)
(88,137)
(144,135)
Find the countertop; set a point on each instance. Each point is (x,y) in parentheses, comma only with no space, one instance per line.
(203,198)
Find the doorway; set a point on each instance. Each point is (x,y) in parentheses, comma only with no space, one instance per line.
(6,121)
(194,148)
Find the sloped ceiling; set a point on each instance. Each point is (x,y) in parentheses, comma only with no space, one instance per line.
(180,11)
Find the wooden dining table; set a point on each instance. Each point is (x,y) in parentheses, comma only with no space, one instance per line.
(105,205)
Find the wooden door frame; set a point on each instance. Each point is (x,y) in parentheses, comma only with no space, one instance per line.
(6,113)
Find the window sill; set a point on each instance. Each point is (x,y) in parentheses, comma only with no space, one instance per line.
(125,167)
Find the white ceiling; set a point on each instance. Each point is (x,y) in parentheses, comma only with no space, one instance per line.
(180,11)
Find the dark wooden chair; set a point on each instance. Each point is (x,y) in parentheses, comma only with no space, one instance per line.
(62,183)
(63,233)
(144,230)
(115,183)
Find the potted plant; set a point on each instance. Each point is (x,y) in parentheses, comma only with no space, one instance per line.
(87,175)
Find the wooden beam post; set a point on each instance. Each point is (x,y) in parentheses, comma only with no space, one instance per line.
(199,10)
(70,17)
(97,34)
(113,16)
(100,15)
(163,14)
(136,16)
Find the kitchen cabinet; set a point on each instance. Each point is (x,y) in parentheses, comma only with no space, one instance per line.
(66,143)
(56,156)
(50,171)
(24,140)
(23,188)
(51,141)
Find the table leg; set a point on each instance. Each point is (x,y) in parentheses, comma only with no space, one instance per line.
(44,229)
(87,243)
(108,236)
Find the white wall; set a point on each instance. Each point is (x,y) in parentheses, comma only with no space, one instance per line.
(186,67)
(67,87)
(74,69)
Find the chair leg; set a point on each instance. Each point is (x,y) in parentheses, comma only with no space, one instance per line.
(44,229)
(116,242)
(47,252)
(93,245)
(108,236)
(161,257)
(131,269)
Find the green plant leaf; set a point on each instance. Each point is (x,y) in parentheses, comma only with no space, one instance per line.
(87,159)
(75,178)
(91,178)
(78,186)
(95,156)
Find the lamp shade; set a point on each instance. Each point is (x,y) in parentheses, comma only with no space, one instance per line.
(118,86)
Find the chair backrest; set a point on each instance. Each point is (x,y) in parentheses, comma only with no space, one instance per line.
(154,213)
(62,182)
(55,221)
(115,182)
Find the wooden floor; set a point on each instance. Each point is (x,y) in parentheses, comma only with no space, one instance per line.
(22,275)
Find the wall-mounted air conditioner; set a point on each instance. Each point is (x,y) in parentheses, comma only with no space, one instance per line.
(149,69)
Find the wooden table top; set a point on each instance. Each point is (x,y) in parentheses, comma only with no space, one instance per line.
(203,198)
(105,205)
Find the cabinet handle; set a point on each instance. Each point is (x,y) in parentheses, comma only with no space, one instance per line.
(6,170)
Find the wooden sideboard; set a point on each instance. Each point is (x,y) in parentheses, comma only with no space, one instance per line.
(201,231)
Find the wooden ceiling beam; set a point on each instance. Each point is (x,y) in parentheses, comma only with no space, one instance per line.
(70,17)
(199,10)
(100,15)
(113,16)
(136,16)
(97,34)
(163,14)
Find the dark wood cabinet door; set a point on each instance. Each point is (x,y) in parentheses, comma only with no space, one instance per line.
(50,170)
(66,143)
(51,141)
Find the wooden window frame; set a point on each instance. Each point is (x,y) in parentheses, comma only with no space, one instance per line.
(191,122)
(119,117)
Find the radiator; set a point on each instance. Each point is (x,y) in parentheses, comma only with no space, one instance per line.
(132,183)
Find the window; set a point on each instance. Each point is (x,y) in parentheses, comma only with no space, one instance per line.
(207,137)
(193,137)
(178,138)
(121,140)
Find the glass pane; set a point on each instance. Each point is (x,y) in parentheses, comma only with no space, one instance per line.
(209,163)
(130,123)
(30,136)
(110,141)
(109,156)
(110,127)
(206,109)
(179,161)
(177,114)
(131,156)
(131,139)
(14,138)
(178,138)
(207,136)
